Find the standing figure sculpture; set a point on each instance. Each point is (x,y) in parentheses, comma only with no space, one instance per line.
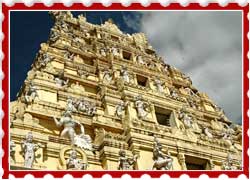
(159,85)
(60,82)
(46,58)
(185,118)
(73,163)
(228,163)
(141,107)
(69,125)
(70,106)
(115,52)
(162,161)
(107,76)
(29,148)
(12,151)
(140,60)
(31,94)
(120,107)
(125,74)
(81,140)
(126,163)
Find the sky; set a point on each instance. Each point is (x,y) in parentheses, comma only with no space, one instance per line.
(207,46)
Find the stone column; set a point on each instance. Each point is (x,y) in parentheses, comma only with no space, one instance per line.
(181,158)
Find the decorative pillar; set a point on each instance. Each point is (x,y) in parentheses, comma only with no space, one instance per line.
(181,158)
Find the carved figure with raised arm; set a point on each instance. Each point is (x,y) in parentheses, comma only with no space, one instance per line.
(69,125)
(126,163)
(29,148)
(31,94)
(162,161)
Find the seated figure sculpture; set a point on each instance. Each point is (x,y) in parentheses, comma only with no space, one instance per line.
(74,163)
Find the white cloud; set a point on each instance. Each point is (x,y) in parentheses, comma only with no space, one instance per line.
(204,45)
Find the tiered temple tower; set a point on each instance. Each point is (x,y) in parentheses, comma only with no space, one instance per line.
(98,99)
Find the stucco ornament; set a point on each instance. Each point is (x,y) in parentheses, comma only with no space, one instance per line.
(81,140)
(208,133)
(185,118)
(29,148)
(74,163)
(107,76)
(59,80)
(140,60)
(159,85)
(115,52)
(69,125)
(44,60)
(31,93)
(119,109)
(125,74)
(162,161)
(86,107)
(228,163)
(70,106)
(12,151)
(126,163)
(142,107)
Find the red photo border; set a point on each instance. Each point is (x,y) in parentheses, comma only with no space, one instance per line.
(118,6)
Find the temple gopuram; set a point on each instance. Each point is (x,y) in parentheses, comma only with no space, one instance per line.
(96,98)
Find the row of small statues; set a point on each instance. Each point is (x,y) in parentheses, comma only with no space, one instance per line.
(75,105)
(125,76)
(162,161)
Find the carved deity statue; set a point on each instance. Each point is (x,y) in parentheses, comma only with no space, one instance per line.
(141,107)
(114,51)
(44,60)
(120,107)
(81,140)
(174,94)
(12,150)
(107,76)
(69,125)
(125,74)
(162,161)
(60,82)
(69,56)
(208,133)
(86,107)
(82,73)
(159,85)
(140,60)
(228,163)
(70,106)
(29,148)
(54,36)
(185,118)
(126,163)
(31,94)
(103,52)
(166,69)
(73,163)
